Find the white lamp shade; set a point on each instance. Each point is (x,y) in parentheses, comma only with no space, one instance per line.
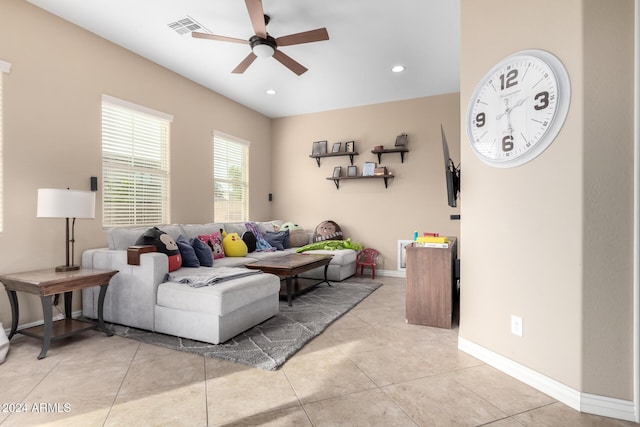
(57,203)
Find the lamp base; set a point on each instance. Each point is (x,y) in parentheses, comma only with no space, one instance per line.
(67,268)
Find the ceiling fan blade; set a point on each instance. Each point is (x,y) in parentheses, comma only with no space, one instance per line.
(304,37)
(290,63)
(218,38)
(256,14)
(242,67)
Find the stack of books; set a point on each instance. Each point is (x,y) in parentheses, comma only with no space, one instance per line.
(432,242)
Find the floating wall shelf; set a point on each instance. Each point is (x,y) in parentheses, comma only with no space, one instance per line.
(336,180)
(319,156)
(390,150)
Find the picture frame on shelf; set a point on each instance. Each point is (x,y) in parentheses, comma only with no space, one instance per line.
(336,147)
(319,147)
(401,140)
(337,172)
(368,168)
(352,171)
(350,146)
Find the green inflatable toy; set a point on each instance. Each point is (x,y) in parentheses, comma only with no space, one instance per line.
(331,245)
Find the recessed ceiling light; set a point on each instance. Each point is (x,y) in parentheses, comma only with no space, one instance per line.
(398,68)
(270,92)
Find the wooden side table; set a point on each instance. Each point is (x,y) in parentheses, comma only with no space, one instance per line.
(431,285)
(46,284)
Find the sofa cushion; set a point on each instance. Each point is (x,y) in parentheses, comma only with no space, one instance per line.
(235,227)
(231,261)
(195,230)
(219,299)
(340,256)
(122,238)
(268,226)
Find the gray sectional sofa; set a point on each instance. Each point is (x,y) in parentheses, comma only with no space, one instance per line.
(140,296)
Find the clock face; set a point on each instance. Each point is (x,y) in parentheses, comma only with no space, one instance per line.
(518,108)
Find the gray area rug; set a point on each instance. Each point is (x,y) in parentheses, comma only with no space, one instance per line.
(268,345)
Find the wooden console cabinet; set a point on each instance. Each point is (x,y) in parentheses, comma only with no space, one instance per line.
(431,285)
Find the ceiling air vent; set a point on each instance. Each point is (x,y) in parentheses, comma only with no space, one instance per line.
(186,25)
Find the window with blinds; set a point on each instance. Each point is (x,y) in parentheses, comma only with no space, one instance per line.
(135,164)
(5,67)
(230,178)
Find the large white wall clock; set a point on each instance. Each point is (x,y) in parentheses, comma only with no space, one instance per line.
(518,108)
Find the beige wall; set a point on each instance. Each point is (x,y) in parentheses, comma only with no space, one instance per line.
(608,197)
(369,213)
(52,135)
(551,240)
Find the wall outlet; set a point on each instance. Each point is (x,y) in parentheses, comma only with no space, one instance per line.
(516,325)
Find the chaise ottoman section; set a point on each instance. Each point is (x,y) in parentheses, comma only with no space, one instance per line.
(219,312)
(342,266)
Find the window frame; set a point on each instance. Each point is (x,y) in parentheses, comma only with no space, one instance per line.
(228,213)
(142,167)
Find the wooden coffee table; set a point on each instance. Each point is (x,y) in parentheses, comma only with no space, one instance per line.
(46,284)
(289,266)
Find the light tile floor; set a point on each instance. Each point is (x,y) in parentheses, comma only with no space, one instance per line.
(370,368)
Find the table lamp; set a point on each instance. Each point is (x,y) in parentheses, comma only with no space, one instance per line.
(68,204)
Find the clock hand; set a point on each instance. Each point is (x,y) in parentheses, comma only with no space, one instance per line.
(509,109)
(506,109)
(519,103)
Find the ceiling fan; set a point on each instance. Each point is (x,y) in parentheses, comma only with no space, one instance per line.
(263,45)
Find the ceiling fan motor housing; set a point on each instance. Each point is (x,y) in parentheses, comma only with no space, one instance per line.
(263,47)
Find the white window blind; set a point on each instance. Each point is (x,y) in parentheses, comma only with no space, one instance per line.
(135,164)
(230,178)
(5,67)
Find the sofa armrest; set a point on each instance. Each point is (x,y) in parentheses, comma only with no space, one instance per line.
(132,293)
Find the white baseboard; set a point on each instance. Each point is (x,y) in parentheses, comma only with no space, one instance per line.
(391,273)
(583,402)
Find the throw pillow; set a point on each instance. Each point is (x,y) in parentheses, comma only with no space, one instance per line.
(163,243)
(214,240)
(298,237)
(234,246)
(327,230)
(250,240)
(189,257)
(203,252)
(279,239)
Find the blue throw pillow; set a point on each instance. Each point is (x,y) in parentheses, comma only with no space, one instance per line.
(279,240)
(189,258)
(203,252)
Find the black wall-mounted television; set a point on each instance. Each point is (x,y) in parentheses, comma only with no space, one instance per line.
(452,173)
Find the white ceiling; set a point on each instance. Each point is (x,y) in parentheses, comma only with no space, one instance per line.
(367,38)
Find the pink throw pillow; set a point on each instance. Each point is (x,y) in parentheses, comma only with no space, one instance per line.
(214,240)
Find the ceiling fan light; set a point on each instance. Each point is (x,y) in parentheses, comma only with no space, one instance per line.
(397,68)
(263,50)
